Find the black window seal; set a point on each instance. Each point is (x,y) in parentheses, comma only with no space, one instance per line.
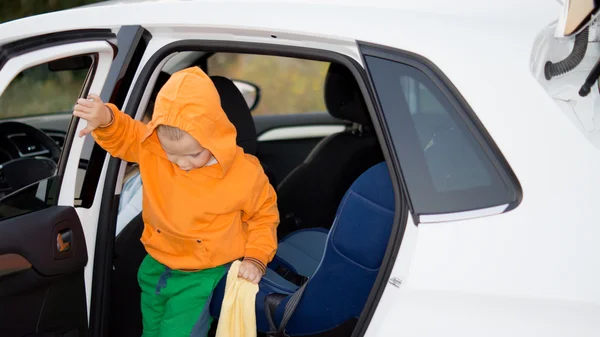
(112,95)
(463,109)
(70,134)
(24,46)
(401,214)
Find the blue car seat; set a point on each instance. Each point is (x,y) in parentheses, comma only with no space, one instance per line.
(341,264)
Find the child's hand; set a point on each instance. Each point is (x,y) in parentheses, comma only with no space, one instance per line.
(250,272)
(94,112)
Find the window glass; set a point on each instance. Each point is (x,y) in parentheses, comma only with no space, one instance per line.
(41,100)
(35,197)
(452,161)
(445,167)
(41,90)
(287,85)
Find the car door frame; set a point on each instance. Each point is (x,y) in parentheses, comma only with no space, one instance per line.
(59,213)
(144,78)
(113,88)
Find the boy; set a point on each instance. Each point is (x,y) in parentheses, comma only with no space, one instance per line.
(205,202)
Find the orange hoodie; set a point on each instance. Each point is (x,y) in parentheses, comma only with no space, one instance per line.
(208,216)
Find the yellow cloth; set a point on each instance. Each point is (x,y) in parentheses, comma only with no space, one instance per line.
(238,315)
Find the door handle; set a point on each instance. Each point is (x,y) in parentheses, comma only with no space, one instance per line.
(63,241)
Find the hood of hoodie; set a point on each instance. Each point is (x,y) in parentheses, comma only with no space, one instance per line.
(189,101)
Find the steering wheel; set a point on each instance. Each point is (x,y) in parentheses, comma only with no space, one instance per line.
(27,164)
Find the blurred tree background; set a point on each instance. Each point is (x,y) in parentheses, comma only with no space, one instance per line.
(287,85)
(15,9)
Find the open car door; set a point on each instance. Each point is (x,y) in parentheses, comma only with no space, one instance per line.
(47,234)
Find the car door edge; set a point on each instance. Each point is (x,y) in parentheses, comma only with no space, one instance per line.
(132,42)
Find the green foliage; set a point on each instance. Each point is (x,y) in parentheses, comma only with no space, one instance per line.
(39,91)
(287,85)
(15,9)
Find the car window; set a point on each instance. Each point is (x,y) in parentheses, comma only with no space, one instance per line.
(452,161)
(287,85)
(28,180)
(35,197)
(445,166)
(41,90)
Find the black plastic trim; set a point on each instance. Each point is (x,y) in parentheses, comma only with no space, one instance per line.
(111,93)
(27,45)
(132,43)
(70,134)
(312,54)
(466,113)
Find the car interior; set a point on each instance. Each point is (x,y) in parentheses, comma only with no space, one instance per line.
(30,144)
(314,244)
(335,195)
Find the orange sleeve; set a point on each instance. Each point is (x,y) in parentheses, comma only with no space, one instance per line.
(262,217)
(122,138)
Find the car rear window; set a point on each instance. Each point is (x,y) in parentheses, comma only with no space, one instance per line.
(447,165)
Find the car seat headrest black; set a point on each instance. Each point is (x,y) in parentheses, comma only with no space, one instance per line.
(237,111)
(343,97)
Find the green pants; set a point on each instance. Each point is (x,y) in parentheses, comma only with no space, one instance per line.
(176,303)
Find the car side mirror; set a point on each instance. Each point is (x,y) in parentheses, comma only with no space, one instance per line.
(250,91)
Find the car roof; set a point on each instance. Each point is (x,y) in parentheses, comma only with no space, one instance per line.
(472,8)
(350,19)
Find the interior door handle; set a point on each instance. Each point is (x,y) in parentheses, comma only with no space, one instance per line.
(64,240)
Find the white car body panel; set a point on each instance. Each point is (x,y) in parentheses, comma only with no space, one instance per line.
(531,271)
(87,216)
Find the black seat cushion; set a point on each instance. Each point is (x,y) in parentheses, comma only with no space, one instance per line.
(309,196)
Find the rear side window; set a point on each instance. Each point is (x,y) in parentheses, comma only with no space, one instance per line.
(447,164)
(454,161)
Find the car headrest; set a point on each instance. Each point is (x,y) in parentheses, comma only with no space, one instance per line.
(162,78)
(343,97)
(237,111)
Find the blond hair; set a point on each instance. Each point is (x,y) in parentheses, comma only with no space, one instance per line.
(170,132)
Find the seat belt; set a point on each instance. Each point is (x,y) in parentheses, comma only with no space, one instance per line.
(290,276)
(271,303)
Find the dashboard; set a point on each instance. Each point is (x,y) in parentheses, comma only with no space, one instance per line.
(20,145)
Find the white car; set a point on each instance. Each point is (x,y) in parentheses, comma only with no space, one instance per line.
(449,187)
